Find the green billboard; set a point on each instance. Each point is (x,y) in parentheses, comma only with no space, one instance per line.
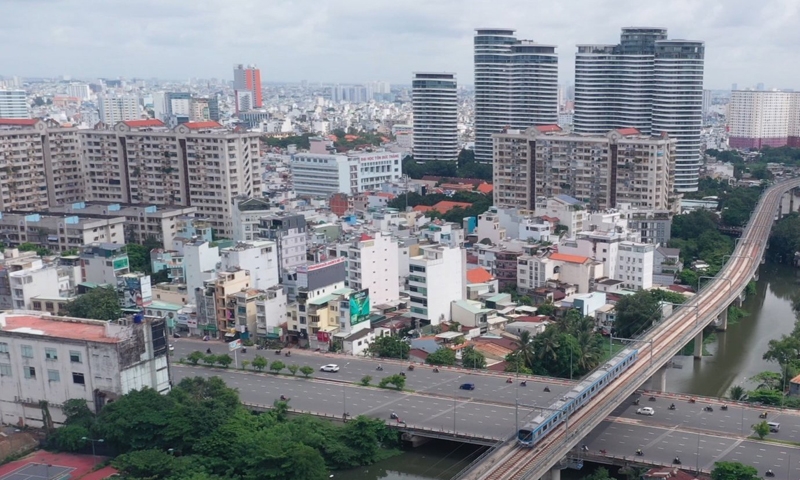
(359,306)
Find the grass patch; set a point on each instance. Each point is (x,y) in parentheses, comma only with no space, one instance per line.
(775,440)
(616,347)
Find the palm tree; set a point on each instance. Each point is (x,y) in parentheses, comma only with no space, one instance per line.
(525,348)
(737,393)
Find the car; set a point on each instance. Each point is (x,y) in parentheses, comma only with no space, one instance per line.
(646,411)
(331,367)
(467,386)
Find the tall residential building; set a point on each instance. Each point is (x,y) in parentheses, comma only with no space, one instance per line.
(79,90)
(516,86)
(706,102)
(118,108)
(647,82)
(622,166)
(759,118)
(289,234)
(13,104)
(372,264)
(437,277)
(248,79)
(198,164)
(435,104)
(324,174)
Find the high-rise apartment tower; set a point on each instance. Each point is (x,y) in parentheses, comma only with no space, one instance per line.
(435,106)
(248,79)
(516,86)
(647,82)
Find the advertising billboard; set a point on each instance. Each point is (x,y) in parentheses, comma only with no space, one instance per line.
(359,307)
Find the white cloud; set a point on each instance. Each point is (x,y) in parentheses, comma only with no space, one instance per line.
(361,40)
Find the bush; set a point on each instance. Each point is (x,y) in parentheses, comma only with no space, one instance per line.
(365,380)
(247,343)
(210,359)
(260,363)
(397,380)
(306,371)
(277,366)
(293,369)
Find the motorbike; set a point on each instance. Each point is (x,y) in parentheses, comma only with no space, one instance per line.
(546,389)
(724,407)
(277,352)
(769,473)
(244,350)
(762,415)
(603,451)
(652,399)
(585,448)
(411,368)
(435,370)
(259,347)
(284,398)
(676,461)
(523,383)
(508,380)
(379,368)
(393,416)
(639,453)
(672,407)
(402,374)
(709,408)
(288,354)
(692,400)
(208,351)
(636,402)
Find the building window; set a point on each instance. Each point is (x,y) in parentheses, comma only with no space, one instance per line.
(74,357)
(53,376)
(27,351)
(30,372)
(78,378)
(3,347)
(50,354)
(5,370)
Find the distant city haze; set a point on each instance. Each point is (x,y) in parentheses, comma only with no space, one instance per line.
(357,40)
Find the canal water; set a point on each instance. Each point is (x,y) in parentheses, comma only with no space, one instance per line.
(735,356)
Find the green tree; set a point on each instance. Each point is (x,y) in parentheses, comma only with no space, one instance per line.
(397,380)
(306,371)
(546,308)
(761,429)
(765,396)
(442,356)
(78,413)
(139,258)
(471,358)
(293,369)
(141,464)
(135,421)
(389,346)
(600,474)
(768,380)
(210,359)
(636,313)
(784,240)
(259,363)
(70,438)
(365,380)
(224,360)
(525,348)
(737,393)
(245,364)
(195,357)
(32,247)
(305,463)
(101,303)
(733,471)
(277,366)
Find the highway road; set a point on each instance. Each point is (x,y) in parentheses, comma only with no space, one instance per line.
(488,387)
(657,347)
(662,444)
(661,437)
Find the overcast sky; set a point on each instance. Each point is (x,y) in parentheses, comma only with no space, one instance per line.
(747,41)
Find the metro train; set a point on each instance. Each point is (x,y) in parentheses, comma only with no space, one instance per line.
(558,412)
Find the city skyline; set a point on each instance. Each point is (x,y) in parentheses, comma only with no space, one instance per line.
(293,41)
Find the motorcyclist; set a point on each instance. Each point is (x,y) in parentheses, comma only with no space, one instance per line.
(672,406)
(435,370)
(524,383)
(380,368)
(677,460)
(208,350)
(585,447)
(546,388)
(769,473)
(639,452)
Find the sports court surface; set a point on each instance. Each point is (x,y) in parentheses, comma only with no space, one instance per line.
(42,465)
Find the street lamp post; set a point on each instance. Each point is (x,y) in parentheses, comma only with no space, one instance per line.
(344,399)
(93,440)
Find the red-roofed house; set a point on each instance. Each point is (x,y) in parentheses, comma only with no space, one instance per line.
(26,122)
(147,123)
(479,275)
(202,125)
(576,270)
(442,207)
(485,188)
(548,128)
(563,257)
(628,131)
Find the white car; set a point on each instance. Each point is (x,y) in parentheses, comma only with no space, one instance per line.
(646,411)
(331,367)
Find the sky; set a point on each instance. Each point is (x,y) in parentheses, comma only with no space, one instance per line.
(353,41)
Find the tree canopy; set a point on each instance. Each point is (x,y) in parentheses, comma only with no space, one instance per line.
(101,303)
(784,240)
(200,430)
(464,167)
(733,471)
(389,346)
(637,312)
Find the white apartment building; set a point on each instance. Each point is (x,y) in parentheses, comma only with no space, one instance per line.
(80,91)
(141,221)
(201,164)
(564,210)
(271,312)
(489,227)
(118,108)
(758,118)
(435,106)
(20,286)
(635,265)
(60,233)
(289,234)
(56,359)
(200,262)
(533,271)
(13,104)
(373,264)
(246,215)
(319,174)
(102,263)
(258,257)
(622,166)
(436,278)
